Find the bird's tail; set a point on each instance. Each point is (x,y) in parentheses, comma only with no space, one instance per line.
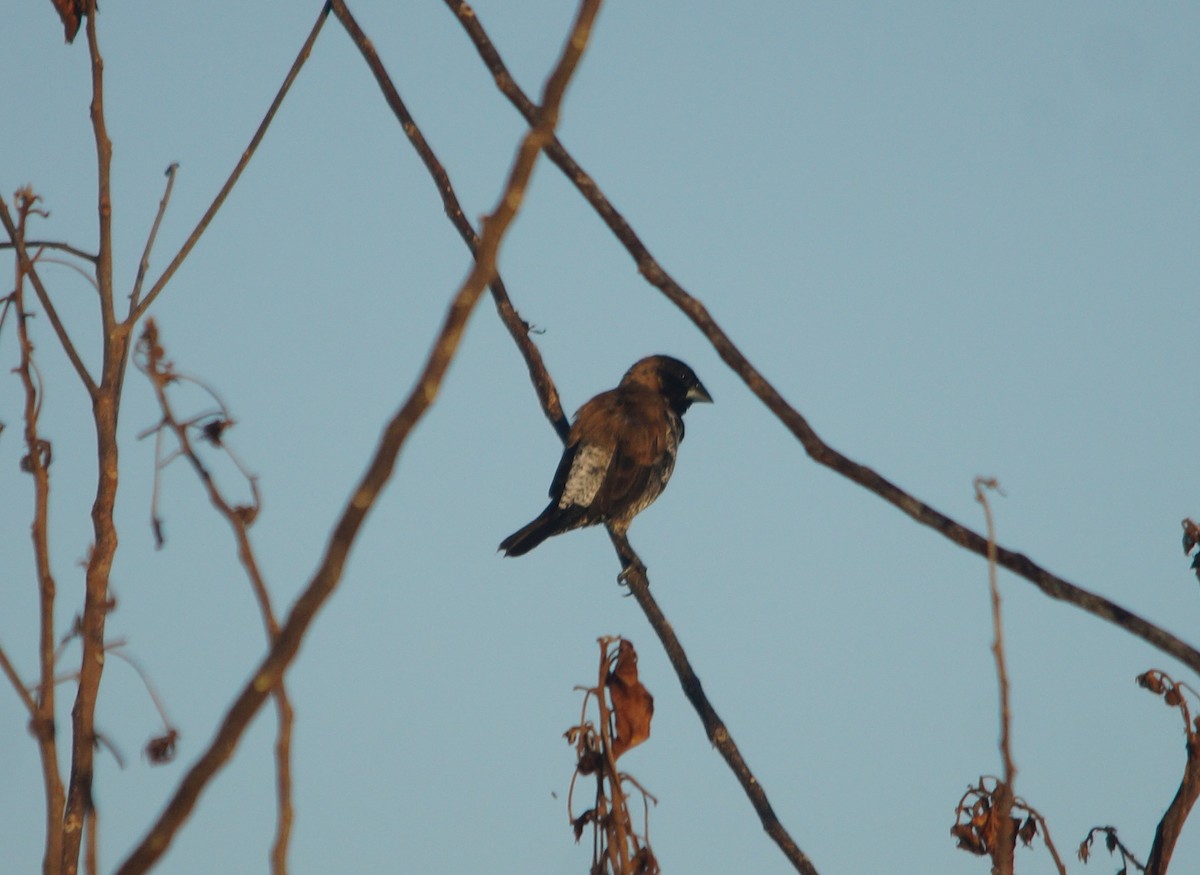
(552,521)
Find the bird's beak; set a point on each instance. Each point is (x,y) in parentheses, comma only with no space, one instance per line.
(698,393)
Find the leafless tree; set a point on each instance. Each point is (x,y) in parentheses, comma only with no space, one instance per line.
(124,333)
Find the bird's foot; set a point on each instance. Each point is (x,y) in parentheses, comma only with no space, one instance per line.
(633,567)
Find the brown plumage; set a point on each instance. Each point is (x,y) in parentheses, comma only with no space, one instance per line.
(619,454)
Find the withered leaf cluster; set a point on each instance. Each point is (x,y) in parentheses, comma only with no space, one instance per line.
(625,708)
(1191,540)
(1160,684)
(977,828)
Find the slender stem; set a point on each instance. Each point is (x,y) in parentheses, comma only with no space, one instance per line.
(137,309)
(144,264)
(1004,793)
(517,327)
(618,815)
(54,244)
(29,269)
(328,574)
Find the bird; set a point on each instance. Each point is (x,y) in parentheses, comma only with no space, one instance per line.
(619,455)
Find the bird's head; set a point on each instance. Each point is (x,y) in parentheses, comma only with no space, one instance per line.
(676,381)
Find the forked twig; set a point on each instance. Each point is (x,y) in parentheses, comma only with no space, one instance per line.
(137,308)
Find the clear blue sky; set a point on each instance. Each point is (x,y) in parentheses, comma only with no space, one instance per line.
(961,239)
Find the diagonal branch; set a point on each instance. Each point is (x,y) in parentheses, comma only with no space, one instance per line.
(1050,584)
(325,579)
(137,309)
(634,575)
(29,269)
(517,327)
(144,264)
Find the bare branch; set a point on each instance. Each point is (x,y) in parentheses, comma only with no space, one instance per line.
(138,309)
(10,672)
(271,669)
(53,244)
(519,329)
(144,264)
(1050,584)
(30,270)
(634,576)
(39,258)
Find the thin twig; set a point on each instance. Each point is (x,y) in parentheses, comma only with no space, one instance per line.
(36,463)
(39,289)
(328,574)
(137,309)
(1050,584)
(1004,793)
(144,264)
(118,651)
(1045,828)
(161,375)
(10,672)
(53,244)
(517,327)
(62,262)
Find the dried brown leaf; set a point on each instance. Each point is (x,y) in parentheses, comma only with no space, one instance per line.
(161,750)
(632,704)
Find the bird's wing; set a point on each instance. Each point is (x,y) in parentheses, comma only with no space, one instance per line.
(590,447)
(624,454)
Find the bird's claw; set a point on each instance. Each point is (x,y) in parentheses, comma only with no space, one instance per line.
(634,568)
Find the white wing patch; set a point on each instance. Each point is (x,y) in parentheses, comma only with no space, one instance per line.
(587,473)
